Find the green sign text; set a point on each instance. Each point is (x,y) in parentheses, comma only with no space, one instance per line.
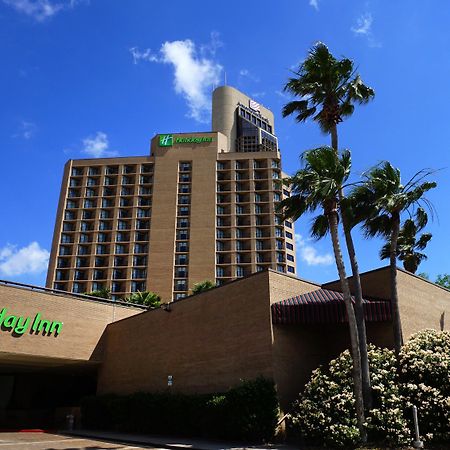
(19,325)
(167,140)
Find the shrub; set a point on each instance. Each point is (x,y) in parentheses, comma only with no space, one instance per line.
(425,377)
(248,411)
(325,411)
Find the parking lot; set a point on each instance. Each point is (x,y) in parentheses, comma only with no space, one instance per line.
(47,441)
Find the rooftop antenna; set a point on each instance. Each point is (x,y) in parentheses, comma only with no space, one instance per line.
(225,77)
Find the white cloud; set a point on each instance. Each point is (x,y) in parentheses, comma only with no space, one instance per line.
(314,4)
(195,74)
(246,73)
(310,255)
(26,260)
(363,24)
(26,130)
(40,10)
(258,94)
(363,28)
(282,95)
(97,146)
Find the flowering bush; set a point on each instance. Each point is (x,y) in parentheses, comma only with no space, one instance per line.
(425,381)
(325,412)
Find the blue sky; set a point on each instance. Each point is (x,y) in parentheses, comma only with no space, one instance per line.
(92,78)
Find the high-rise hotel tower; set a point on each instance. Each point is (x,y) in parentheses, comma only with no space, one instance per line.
(200,207)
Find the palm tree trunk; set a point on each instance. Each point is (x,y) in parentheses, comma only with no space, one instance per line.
(365,373)
(397,323)
(354,340)
(359,312)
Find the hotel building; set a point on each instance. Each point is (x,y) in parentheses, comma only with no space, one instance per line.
(200,206)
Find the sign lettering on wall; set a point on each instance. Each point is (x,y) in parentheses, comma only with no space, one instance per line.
(19,325)
(167,140)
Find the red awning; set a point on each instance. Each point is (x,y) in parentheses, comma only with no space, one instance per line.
(325,306)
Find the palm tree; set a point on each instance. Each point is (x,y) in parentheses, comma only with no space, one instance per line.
(100,293)
(328,89)
(203,286)
(384,199)
(147,298)
(408,245)
(317,187)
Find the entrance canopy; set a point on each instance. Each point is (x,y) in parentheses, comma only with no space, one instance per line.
(325,306)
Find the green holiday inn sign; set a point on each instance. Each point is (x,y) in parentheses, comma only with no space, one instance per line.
(19,325)
(167,140)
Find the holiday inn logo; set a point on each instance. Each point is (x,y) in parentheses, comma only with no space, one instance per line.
(165,140)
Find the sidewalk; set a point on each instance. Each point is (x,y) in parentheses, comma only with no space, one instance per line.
(173,443)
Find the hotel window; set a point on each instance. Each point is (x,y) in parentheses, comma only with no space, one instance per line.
(81,262)
(239,258)
(290,269)
(126,191)
(220,210)
(289,246)
(101,249)
(144,190)
(129,169)
(182,235)
(182,247)
(71,204)
(143,213)
(123,202)
(275,175)
(185,166)
(220,234)
(141,236)
(183,211)
(61,275)
(90,193)
(220,166)
(181,272)
(138,273)
(74,182)
(118,274)
(59,286)
(83,250)
(120,261)
(89,204)
(77,171)
(220,246)
(286,193)
(140,248)
(64,250)
(100,262)
(276,197)
(84,238)
(104,226)
(258,198)
(280,268)
(288,235)
(239,198)
(127,180)
(181,260)
(99,274)
(63,263)
(85,226)
(116,287)
(278,220)
(91,182)
(122,225)
(93,171)
(259,232)
(70,215)
(278,232)
(79,275)
(104,214)
(146,168)
(259,268)
(258,221)
(279,245)
(259,258)
(88,215)
(112,170)
(142,224)
(74,193)
(144,201)
(78,288)
(280,257)
(239,245)
(138,286)
(290,257)
(181,285)
(184,199)
(68,226)
(184,178)
(145,179)
(259,245)
(120,249)
(139,260)
(239,210)
(121,237)
(288,224)
(239,233)
(239,271)
(184,189)
(275,164)
(109,181)
(97,286)
(220,272)
(258,209)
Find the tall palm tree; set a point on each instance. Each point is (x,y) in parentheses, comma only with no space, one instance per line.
(328,89)
(409,244)
(384,199)
(316,187)
(202,286)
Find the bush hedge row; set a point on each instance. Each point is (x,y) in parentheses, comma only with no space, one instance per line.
(248,411)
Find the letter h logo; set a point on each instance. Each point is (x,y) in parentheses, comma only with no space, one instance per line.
(165,140)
